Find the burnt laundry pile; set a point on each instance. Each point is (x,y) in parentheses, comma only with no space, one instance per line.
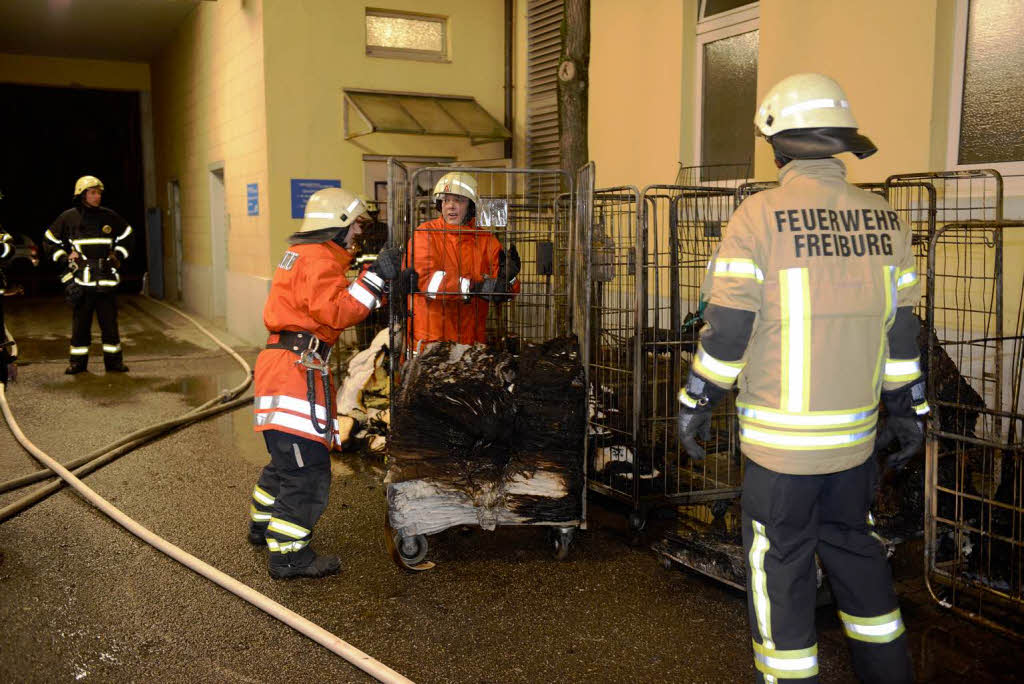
(484,437)
(899,508)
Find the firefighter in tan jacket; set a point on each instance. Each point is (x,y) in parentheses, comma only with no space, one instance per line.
(810,309)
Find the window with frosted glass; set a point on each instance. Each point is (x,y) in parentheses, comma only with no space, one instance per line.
(992,117)
(728,103)
(391,34)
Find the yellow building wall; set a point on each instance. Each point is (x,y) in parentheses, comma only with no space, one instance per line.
(885,55)
(209,106)
(316,48)
(636,80)
(78,73)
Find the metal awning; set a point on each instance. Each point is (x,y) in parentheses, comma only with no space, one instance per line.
(378,111)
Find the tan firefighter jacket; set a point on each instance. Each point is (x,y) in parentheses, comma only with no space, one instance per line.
(824,266)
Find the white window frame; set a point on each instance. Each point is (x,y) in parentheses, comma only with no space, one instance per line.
(725,25)
(407,53)
(1012,172)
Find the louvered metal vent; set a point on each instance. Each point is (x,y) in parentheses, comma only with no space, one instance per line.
(544,46)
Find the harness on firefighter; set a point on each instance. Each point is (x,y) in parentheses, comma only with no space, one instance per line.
(314,356)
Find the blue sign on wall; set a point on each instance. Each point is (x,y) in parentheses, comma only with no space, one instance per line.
(252,199)
(302,188)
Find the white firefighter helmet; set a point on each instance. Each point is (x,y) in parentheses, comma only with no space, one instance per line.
(813,114)
(456,183)
(331,208)
(86,182)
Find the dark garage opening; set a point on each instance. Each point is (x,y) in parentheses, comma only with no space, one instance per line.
(52,136)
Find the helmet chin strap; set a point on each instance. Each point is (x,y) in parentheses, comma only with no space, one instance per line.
(340,237)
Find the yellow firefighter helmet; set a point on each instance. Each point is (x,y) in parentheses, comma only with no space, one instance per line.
(86,182)
(812,114)
(456,183)
(331,208)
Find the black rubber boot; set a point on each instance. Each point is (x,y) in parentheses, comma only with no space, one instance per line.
(74,369)
(320,567)
(257,536)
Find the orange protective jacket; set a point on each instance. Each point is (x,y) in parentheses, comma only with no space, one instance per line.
(448,260)
(309,293)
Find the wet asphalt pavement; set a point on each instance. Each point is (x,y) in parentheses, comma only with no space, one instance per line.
(81,599)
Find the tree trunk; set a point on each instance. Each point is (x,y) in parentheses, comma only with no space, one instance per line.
(573,80)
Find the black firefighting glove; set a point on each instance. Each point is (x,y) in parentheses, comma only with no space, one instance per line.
(904,424)
(112,261)
(696,399)
(510,263)
(388,264)
(490,289)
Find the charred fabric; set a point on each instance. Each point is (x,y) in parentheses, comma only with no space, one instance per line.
(900,504)
(483,436)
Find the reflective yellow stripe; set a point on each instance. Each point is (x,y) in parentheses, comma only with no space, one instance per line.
(111,348)
(786,664)
(759,584)
(284,547)
(905,370)
(686,400)
(79,351)
(288,529)
(877,630)
(907,278)
(256,515)
(803,441)
(262,497)
(738,268)
(715,369)
(922,408)
(889,282)
(795,302)
(811,419)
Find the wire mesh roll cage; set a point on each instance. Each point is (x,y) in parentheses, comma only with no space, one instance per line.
(526,203)
(650,252)
(528,208)
(974,476)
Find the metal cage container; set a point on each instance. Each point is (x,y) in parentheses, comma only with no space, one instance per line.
(532,209)
(974,477)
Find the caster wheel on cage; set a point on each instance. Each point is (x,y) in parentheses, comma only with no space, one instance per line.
(719,508)
(562,538)
(408,553)
(637,524)
(412,550)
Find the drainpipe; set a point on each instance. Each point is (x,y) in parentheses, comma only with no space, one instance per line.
(510,36)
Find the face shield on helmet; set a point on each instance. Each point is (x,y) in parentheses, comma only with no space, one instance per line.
(807,116)
(457,183)
(329,213)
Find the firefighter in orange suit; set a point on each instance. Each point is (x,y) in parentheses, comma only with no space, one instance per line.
(459,268)
(310,303)
(810,310)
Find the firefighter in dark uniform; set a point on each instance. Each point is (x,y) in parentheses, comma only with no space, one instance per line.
(91,242)
(8,347)
(810,311)
(311,301)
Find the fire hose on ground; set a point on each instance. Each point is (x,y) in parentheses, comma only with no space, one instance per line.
(226,401)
